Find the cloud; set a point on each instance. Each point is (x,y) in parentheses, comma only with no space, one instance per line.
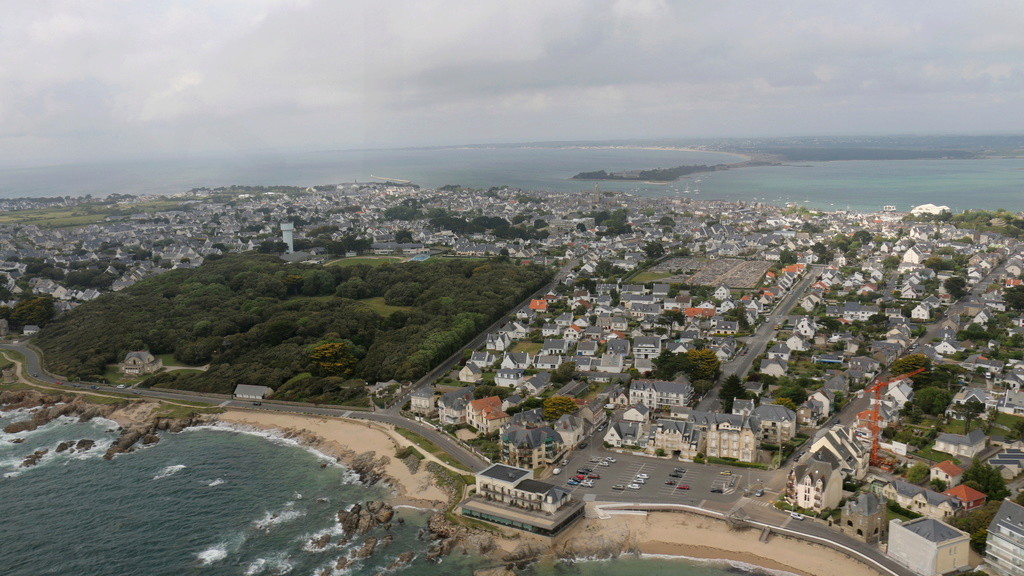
(108,79)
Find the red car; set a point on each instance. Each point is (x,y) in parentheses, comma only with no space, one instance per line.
(594,476)
(580,477)
(683,487)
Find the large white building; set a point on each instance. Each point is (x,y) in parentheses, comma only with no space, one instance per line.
(928,547)
(660,393)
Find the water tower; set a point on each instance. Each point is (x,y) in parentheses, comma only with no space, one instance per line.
(287,228)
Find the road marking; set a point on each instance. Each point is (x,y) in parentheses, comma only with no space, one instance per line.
(346,414)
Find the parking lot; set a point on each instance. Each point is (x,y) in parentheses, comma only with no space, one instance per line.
(701,479)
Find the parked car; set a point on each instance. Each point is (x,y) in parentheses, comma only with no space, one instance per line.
(565,462)
(670,482)
(683,487)
(639,481)
(593,476)
(121,386)
(580,477)
(587,483)
(619,487)
(725,473)
(796,516)
(759,493)
(675,475)
(610,459)
(573,482)
(633,486)
(642,475)
(717,491)
(603,464)
(583,445)
(556,471)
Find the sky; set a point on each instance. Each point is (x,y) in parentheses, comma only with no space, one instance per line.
(113,79)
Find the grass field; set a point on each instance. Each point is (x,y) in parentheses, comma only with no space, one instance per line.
(645,277)
(430,447)
(527,346)
(61,217)
(377,305)
(366,260)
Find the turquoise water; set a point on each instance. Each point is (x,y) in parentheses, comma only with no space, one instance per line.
(865,185)
(205,502)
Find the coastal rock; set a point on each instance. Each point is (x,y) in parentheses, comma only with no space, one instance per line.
(362,518)
(63,446)
(321,542)
(476,544)
(85,444)
(20,426)
(403,559)
(149,439)
(369,467)
(34,458)
(595,547)
(17,440)
(341,563)
(369,545)
(385,541)
(524,553)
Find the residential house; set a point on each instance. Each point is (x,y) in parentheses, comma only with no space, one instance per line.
(968,497)
(451,406)
(140,362)
(864,518)
(966,445)
(921,500)
(486,415)
(660,393)
(814,486)
(947,472)
(530,447)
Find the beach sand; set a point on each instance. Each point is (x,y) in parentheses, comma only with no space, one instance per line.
(339,437)
(682,534)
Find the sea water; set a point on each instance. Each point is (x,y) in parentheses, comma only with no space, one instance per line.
(861,185)
(212,502)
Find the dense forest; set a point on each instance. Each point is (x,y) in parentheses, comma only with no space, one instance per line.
(307,331)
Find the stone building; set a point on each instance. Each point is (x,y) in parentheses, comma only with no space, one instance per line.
(863,518)
(140,362)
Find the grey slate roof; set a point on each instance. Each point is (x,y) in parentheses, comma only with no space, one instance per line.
(504,473)
(932,530)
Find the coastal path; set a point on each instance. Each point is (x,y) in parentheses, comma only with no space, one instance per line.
(36,373)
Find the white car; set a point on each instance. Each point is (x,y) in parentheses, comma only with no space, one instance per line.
(587,483)
(639,481)
(603,464)
(609,459)
(796,516)
(633,486)
(644,476)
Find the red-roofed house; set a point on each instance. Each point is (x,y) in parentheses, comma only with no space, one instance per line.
(969,497)
(486,414)
(539,305)
(947,472)
(699,312)
(794,268)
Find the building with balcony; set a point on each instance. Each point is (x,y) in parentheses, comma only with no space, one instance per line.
(1004,550)
(510,496)
(814,486)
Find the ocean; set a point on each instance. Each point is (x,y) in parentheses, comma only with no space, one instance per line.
(209,501)
(860,185)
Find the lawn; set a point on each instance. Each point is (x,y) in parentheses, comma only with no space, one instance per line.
(430,447)
(934,455)
(1007,420)
(527,346)
(168,360)
(366,260)
(645,277)
(377,305)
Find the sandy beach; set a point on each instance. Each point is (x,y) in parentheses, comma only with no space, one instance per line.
(343,438)
(694,536)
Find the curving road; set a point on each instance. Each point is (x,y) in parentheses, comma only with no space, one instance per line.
(33,366)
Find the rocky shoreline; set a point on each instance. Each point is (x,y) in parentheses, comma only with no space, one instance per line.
(138,426)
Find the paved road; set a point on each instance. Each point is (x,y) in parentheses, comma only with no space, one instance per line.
(445,442)
(757,342)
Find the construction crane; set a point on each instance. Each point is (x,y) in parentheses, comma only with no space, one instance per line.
(875,417)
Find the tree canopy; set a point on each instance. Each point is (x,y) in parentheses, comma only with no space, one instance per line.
(257,320)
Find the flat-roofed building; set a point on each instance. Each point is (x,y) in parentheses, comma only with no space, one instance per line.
(510,496)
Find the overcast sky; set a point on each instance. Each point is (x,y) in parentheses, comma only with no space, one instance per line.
(86,80)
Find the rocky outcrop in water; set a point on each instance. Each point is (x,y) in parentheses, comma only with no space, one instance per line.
(500,571)
(362,518)
(403,559)
(85,444)
(34,458)
(146,432)
(369,545)
(49,407)
(320,543)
